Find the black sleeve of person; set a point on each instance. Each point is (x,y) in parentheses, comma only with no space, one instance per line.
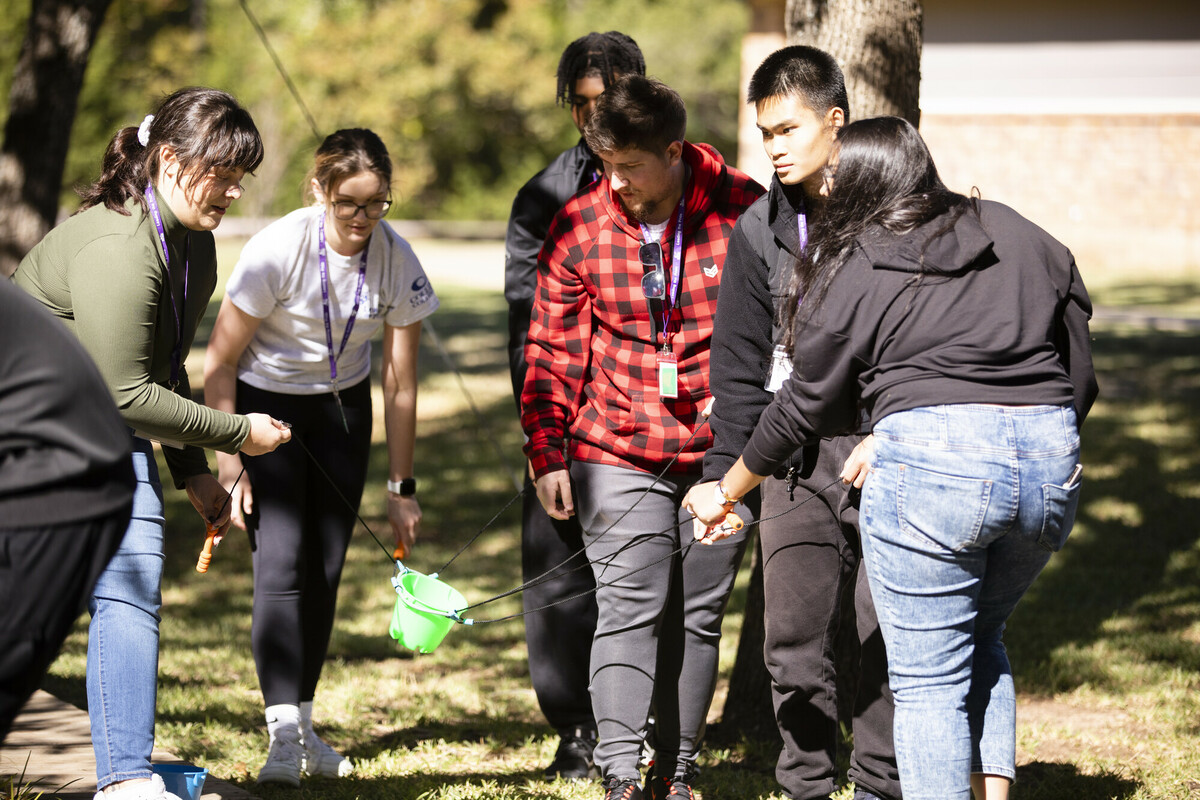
(741,353)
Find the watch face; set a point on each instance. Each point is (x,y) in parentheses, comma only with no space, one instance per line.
(405,488)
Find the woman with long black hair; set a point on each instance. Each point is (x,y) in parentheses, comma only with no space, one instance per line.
(961,329)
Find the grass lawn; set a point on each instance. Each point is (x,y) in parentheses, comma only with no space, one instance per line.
(1106,647)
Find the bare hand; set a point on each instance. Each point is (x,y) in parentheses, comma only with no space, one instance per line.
(858,464)
(554,490)
(242,503)
(211,501)
(701,503)
(265,435)
(404,514)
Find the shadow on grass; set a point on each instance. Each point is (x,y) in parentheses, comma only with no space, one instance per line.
(1040,779)
(1134,550)
(726,780)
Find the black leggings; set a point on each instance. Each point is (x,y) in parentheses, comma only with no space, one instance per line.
(302,527)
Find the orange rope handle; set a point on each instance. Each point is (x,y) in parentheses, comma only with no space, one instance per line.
(732,521)
(206,554)
(400,552)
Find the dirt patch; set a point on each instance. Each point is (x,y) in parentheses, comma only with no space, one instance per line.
(1056,731)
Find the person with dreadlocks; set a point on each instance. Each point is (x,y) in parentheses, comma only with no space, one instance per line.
(559,638)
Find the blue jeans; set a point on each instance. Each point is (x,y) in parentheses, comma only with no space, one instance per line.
(122,661)
(963,508)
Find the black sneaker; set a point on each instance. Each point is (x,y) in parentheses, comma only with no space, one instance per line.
(621,789)
(573,759)
(676,788)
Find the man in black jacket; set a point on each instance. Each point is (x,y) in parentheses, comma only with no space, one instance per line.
(559,638)
(809,522)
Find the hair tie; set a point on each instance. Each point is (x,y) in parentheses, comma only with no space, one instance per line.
(144,130)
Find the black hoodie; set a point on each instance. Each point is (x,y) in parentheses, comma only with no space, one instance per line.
(995,313)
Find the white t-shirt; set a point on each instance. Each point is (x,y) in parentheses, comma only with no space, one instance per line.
(278,280)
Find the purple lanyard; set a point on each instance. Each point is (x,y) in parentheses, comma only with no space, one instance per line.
(676,268)
(802,225)
(177,353)
(323,258)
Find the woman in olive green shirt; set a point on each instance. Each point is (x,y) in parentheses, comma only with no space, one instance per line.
(131,275)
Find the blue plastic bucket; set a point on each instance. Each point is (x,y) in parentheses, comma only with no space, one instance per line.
(182,780)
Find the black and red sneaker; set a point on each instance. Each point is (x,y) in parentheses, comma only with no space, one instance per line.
(621,789)
(676,788)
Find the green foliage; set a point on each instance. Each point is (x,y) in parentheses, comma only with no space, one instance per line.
(461,90)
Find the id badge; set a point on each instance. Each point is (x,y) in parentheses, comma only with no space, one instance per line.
(781,369)
(668,374)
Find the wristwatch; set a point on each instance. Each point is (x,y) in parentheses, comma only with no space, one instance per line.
(724,500)
(405,488)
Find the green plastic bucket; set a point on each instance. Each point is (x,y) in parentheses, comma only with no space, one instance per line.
(424,612)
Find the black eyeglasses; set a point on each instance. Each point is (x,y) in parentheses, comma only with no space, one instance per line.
(376,209)
(654,283)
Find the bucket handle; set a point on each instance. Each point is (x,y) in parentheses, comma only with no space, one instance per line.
(411,600)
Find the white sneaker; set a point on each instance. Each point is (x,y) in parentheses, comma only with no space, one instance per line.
(322,760)
(285,760)
(152,789)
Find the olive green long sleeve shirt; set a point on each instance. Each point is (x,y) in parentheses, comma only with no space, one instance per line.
(103,274)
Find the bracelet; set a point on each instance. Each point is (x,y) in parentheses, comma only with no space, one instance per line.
(724,500)
(405,488)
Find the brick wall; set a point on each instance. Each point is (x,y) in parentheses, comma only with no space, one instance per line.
(1120,191)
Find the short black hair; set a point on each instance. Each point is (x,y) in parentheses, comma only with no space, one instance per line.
(607,56)
(811,74)
(636,112)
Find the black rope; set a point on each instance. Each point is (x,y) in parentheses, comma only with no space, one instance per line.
(479,533)
(551,573)
(547,576)
(427,325)
(681,549)
(350,505)
(228,495)
(312,123)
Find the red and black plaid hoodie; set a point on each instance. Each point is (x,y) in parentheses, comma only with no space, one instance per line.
(593,375)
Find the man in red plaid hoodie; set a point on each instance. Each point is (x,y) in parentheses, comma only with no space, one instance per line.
(613,404)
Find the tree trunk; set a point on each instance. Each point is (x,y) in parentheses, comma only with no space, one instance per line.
(877,43)
(45,93)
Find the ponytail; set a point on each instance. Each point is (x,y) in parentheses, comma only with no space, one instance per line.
(123,173)
(205,127)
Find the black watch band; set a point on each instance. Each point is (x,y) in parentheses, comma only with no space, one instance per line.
(406,487)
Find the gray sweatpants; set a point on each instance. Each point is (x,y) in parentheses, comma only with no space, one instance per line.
(659,623)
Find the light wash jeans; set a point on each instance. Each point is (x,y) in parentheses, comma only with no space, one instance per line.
(122,660)
(963,508)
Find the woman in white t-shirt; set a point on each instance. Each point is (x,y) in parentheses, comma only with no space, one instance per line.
(293,339)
